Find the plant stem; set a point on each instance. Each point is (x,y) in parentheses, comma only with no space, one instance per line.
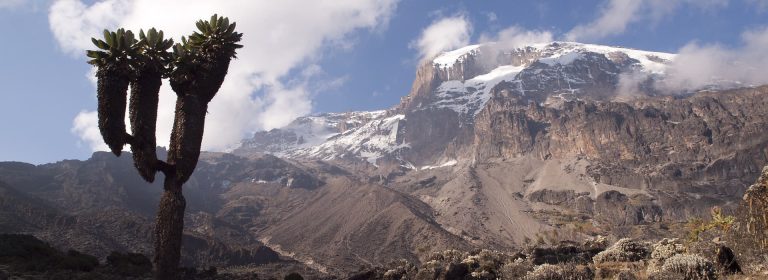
(168,230)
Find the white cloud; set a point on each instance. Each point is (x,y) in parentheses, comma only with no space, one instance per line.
(515,37)
(444,34)
(492,17)
(697,66)
(616,15)
(279,36)
(73,23)
(86,124)
(613,19)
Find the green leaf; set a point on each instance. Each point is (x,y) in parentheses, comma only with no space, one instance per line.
(130,38)
(119,39)
(92,54)
(230,29)
(219,23)
(110,39)
(103,45)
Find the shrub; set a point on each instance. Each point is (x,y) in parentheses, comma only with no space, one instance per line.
(686,266)
(129,264)
(625,250)
(663,250)
(75,260)
(293,276)
(516,269)
(560,272)
(720,222)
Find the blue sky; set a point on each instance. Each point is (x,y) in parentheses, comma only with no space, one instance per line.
(335,56)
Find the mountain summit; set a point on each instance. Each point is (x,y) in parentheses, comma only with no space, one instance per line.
(457,85)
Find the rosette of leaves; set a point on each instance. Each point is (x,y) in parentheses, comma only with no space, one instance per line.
(200,64)
(150,65)
(113,60)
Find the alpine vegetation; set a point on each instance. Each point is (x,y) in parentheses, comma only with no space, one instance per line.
(113,62)
(196,69)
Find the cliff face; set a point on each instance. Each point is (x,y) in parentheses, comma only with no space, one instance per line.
(702,128)
(708,144)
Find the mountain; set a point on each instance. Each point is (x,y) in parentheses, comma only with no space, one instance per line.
(507,144)
(449,93)
(495,146)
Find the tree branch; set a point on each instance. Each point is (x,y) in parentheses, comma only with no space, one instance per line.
(129,139)
(167,169)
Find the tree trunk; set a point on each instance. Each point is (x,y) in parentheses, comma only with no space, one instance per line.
(187,135)
(168,230)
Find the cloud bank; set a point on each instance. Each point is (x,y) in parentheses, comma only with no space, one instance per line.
(698,66)
(613,19)
(442,35)
(515,37)
(279,37)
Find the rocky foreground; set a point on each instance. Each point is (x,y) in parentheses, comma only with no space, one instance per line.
(723,247)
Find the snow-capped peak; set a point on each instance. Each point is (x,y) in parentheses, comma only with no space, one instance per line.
(558,52)
(466,84)
(463,81)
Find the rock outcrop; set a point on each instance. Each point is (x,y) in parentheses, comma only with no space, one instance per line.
(749,236)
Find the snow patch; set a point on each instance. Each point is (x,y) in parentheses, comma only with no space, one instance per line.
(470,96)
(446,164)
(370,141)
(562,58)
(448,59)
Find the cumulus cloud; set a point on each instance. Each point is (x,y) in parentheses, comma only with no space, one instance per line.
(698,66)
(444,34)
(86,124)
(613,19)
(616,15)
(258,93)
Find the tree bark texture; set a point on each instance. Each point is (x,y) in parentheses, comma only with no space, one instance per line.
(187,135)
(169,226)
(143,116)
(111,92)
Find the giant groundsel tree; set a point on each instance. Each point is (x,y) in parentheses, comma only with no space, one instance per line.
(196,69)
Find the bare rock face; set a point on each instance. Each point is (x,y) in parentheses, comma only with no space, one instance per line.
(425,82)
(615,208)
(705,144)
(749,237)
